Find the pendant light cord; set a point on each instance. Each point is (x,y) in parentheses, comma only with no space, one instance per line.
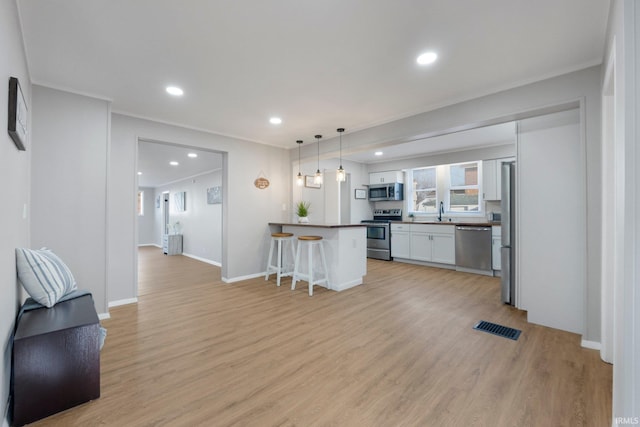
(318,138)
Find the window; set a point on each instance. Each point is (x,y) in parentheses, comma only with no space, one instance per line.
(464,192)
(456,186)
(424,190)
(140,204)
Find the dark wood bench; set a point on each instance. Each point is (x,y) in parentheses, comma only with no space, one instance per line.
(56,359)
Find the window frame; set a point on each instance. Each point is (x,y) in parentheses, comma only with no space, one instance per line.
(443,191)
(412,190)
(450,187)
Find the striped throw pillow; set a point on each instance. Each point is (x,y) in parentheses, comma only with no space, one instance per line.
(43,275)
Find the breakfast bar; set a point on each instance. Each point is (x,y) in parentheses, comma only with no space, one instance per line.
(345,249)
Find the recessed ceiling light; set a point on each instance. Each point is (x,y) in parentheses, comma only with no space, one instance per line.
(139,173)
(275,120)
(192,155)
(378,153)
(174,163)
(174,90)
(427,58)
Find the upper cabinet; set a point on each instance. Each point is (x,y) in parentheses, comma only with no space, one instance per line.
(386,177)
(491,178)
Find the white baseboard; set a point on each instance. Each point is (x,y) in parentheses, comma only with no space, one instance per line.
(347,285)
(123,302)
(594,345)
(208,261)
(111,304)
(148,244)
(241,278)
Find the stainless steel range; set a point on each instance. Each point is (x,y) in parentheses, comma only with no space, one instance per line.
(378,235)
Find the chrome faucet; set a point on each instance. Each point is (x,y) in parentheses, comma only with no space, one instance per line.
(440,211)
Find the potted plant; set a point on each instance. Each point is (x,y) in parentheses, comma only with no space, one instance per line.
(302,210)
(411,217)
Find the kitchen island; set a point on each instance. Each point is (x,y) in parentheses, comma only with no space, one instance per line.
(345,248)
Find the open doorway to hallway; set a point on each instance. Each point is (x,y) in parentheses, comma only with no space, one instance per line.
(182,192)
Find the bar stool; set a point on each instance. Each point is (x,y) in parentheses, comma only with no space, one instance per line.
(280,239)
(309,242)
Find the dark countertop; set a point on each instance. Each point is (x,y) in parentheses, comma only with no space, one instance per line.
(466,224)
(296,224)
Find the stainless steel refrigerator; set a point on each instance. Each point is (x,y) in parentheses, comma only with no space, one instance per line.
(507,249)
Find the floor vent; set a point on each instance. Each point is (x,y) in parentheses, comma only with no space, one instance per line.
(499,330)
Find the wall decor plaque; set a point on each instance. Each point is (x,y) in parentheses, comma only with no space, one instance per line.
(261,183)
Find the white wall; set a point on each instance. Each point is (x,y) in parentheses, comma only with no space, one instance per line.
(146,222)
(551,221)
(15,174)
(200,223)
(69,184)
(246,209)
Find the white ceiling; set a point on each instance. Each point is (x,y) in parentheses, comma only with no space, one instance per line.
(317,64)
(154,158)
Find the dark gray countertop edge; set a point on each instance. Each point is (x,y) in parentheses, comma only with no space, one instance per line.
(295,224)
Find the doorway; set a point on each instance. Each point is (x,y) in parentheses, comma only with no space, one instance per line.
(167,170)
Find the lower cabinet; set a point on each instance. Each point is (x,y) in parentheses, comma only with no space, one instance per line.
(400,241)
(172,244)
(444,247)
(424,242)
(421,246)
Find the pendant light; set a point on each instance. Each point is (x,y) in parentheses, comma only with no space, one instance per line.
(341,175)
(317,179)
(299,179)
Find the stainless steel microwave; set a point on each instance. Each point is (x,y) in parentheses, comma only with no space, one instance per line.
(382,192)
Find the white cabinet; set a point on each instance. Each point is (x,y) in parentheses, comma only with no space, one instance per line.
(424,242)
(444,248)
(386,177)
(492,178)
(172,244)
(421,246)
(496,243)
(400,242)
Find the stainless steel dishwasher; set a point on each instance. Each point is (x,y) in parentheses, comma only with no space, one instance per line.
(473,247)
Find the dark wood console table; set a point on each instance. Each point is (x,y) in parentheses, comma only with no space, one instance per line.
(56,359)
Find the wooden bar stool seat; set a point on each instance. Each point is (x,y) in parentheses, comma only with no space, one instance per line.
(308,243)
(281,268)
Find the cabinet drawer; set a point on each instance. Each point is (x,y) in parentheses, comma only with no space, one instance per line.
(400,227)
(433,228)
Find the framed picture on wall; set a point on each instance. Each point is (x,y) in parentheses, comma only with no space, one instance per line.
(308,182)
(361,193)
(214,195)
(17,125)
(180,201)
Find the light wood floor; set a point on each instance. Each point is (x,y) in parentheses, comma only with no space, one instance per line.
(396,351)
